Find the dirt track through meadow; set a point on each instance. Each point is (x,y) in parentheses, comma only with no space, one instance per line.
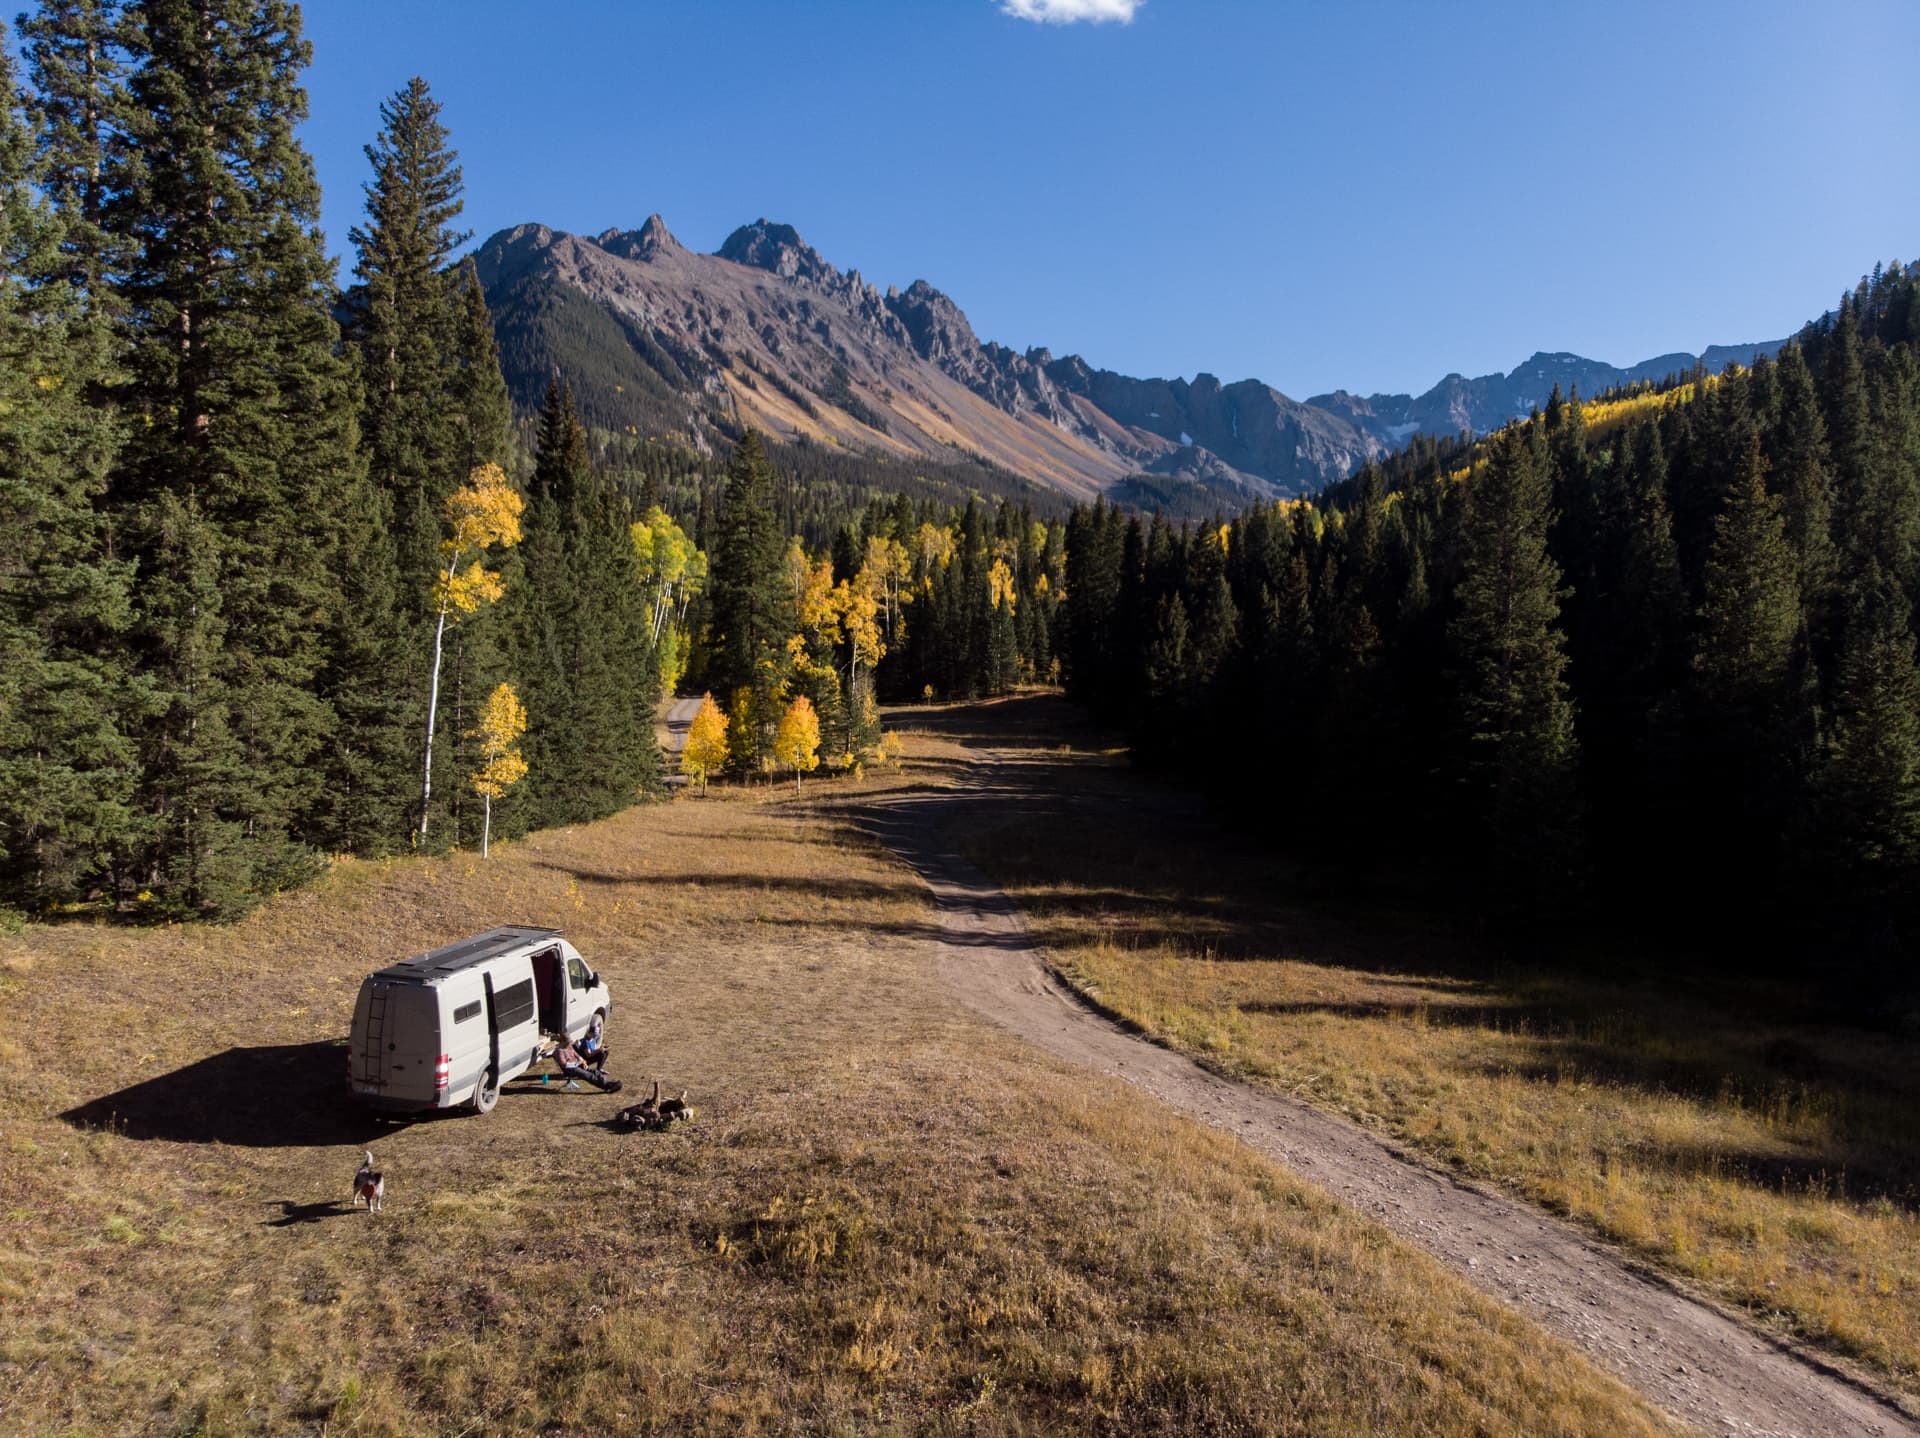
(1703,1366)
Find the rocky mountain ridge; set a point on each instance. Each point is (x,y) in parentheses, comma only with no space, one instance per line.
(656,337)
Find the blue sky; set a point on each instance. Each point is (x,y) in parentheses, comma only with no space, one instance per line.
(1362,194)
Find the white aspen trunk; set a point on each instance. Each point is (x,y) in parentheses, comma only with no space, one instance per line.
(433,699)
(486,827)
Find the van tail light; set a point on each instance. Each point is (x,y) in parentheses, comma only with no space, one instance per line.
(441,1068)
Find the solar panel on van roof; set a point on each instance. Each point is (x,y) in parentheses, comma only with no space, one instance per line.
(468,952)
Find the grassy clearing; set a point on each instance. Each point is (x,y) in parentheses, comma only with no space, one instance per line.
(1736,1134)
(885,1218)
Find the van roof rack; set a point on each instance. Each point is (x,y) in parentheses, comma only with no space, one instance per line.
(436,963)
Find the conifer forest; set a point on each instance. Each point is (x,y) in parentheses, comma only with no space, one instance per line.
(1647,659)
(284,576)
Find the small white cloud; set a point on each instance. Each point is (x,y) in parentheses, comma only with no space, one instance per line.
(1067,12)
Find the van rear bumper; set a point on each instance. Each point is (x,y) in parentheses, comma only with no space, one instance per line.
(393,1103)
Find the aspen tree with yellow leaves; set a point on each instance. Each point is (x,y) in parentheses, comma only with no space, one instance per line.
(503,719)
(483,513)
(796,743)
(706,743)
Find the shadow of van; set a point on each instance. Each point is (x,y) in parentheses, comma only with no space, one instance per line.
(274,1096)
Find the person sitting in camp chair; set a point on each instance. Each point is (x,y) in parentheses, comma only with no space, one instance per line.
(592,1046)
(574,1065)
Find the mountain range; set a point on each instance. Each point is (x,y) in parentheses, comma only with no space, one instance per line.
(659,340)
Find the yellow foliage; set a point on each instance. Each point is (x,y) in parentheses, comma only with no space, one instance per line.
(816,607)
(796,743)
(1607,415)
(485,512)
(503,719)
(707,747)
(1000,585)
(668,558)
(932,550)
(858,608)
(467,590)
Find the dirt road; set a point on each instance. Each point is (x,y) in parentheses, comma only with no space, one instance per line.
(1703,1366)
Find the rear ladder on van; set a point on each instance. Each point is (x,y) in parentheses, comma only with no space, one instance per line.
(372,1056)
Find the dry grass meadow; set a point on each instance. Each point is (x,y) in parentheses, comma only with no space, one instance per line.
(886,1217)
(1741,1135)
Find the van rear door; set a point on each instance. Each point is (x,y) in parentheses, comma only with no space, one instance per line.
(402,1041)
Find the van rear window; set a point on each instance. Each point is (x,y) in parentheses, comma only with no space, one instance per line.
(513,1006)
(467,1011)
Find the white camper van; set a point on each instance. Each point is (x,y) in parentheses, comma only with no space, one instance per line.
(449,1027)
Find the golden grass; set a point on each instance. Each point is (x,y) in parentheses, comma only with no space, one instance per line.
(1722,1129)
(885,1218)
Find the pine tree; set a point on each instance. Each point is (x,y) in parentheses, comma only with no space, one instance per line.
(65,761)
(1514,717)
(78,57)
(1867,791)
(748,604)
(244,441)
(481,406)
(481,650)
(367,806)
(1802,476)
(580,626)
(1849,426)
(1750,705)
(407,325)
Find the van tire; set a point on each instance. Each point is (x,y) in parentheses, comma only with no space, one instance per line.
(486,1094)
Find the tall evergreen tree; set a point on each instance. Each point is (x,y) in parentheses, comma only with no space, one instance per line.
(66,763)
(1751,703)
(77,54)
(1867,791)
(406,325)
(479,657)
(246,433)
(581,638)
(1514,715)
(1802,477)
(748,602)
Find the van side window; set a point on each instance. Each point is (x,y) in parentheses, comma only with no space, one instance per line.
(467,1011)
(513,1005)
(576,974)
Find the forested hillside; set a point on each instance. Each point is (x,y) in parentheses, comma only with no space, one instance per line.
(1651,657)
(259,578)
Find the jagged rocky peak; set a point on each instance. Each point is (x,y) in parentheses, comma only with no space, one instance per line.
(649,242)
(512,252)
(777,249)
(936,325)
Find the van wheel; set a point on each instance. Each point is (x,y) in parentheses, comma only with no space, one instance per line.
(486,1095)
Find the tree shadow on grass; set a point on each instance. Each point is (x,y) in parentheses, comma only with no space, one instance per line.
(273,1096)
